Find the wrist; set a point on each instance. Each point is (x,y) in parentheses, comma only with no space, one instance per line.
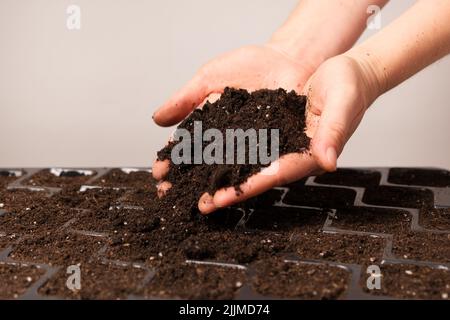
(302,50)
(373,73)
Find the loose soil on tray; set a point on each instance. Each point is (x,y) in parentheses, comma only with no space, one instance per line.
(67,178)
(15,279)
(279,279)
(411,282)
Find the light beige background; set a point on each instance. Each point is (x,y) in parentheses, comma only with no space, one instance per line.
(85,98)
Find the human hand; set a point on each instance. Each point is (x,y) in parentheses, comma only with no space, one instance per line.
(339,92)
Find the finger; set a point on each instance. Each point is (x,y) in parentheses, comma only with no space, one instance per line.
(160,169)
(335,126)
(288,168)
(162,188)
(206,204)
(182,102)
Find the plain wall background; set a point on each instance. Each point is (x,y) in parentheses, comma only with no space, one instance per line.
(85,98)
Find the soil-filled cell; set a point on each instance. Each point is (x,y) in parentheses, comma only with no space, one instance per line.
(320,197)
(57,248)
(190,281)
(338,247)
(420,177)
(278,279)
(20,199)
(373,220)
(98,281)
(126,179)
(286,219)
(62,179)
(423,246)
(398,197)
(411,282)
(438,219)
(350,177)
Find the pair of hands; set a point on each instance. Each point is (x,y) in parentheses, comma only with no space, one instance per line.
(339,92)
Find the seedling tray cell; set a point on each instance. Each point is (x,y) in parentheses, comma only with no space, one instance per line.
(313,239)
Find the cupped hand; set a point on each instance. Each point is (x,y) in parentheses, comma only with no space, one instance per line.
(339,93)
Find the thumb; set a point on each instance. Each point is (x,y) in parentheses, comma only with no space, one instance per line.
(337,122)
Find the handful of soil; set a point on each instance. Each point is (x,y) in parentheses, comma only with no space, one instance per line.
(236,109)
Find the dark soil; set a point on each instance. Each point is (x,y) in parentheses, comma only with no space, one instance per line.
(6,178)
(57,248)
(204,239)
(420,177)
(350,177)
(279,279)
(189,281)
(98,281)
(237,109)
(95,199)
(20,199)
(412,282)
(423,246)
(36,218)
(6,240)
(144,198)
(372,220)
(116,219)
(320,197)
(119,178)
(15,279)
(399,197)
(164,233)
(287,219)
(338,247)
(438,219)
(67,178)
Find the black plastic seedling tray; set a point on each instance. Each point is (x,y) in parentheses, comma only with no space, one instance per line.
(333,228)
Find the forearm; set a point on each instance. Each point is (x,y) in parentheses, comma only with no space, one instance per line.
(415,40)
(319,29)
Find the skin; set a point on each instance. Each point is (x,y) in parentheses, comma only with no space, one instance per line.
(340,83)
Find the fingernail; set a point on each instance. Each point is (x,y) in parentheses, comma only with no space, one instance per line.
(331,157)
